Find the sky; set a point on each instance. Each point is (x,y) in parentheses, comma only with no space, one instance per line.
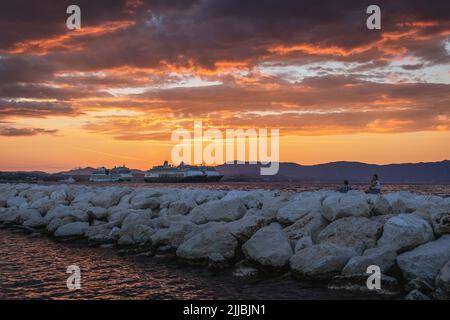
(112,92)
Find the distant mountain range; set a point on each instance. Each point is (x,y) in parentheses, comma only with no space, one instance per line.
(356,172)
(424,172)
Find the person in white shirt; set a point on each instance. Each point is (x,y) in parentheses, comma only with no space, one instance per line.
(375,185)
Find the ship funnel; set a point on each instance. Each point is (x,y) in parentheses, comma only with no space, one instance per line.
(166,163)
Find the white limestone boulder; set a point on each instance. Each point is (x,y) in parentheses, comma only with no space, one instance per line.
(181,206)
(101,232)
(43,205)
(73,229)
(309,225)
(62,211)
(379,205)
(97,212)
(359,233)
(17,202)
(137,227)
(303,243)
(213,238)
(425,261)
(59,196)
(218,210)
(269,247)
(320,262)
(174,235)
(405,231)
(440,221)
(383,257)
(346,205)
(297,209)
(108,197)
(443,279)
(244,228)
(146,199)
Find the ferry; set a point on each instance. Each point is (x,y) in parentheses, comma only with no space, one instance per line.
(116,174)
(121,174)
(182,173)
(100,175)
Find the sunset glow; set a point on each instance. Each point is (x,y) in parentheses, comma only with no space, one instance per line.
(113,92)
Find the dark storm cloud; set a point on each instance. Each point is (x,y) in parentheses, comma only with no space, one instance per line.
(149,43)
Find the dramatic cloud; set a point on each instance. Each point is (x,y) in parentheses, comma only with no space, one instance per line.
(138,69)
(18,132)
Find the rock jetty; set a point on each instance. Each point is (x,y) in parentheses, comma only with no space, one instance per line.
(323,236)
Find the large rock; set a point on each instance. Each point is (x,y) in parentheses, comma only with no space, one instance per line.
(440,222)
(357,232)
(403,202)
(218,210)
(101,232)
(108,197)
(340,206)
(214,238)
(251,199)
(72,229)
(174,235)
(137,227)
(383,257)
(43,205)
(443,279)
(36,222)
(405,232)
(320,262)
(251,222)
(201,196)
(269,246)
(295,210)
(59,196)
(146,199)
(62,211)
(5,194)
(379,205)
(425,261)
(181,206)
(17,202)
(97,212)
(19,216)
(309,225)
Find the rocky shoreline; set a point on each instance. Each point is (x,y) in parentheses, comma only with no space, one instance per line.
(321,236)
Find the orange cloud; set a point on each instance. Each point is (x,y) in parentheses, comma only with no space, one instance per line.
(63,42)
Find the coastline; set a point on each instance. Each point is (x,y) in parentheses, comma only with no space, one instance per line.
(320,236)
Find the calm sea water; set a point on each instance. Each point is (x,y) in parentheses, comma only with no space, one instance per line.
(34,267)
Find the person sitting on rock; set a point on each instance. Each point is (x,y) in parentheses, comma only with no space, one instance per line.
(345,187)
(375,186)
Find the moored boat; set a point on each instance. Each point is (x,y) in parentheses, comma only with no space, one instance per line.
(181,173)
(121,174)
(100,175)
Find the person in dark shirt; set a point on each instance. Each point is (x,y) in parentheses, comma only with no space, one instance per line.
(345,187)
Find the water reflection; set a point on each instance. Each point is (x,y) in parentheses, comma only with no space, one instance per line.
(34,267)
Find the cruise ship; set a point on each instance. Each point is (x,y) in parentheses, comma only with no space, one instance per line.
(100,175)
(121,173)
(116,174)
(182,173)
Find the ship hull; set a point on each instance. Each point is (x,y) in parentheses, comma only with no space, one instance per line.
(196,179)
